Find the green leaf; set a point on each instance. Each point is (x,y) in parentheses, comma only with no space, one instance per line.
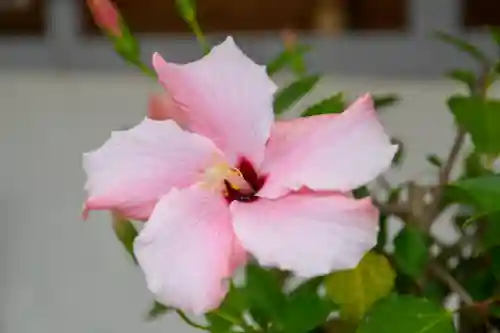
(476,276)
(334,104)
(290,95)
(463,76)
(383,101)
(357,289)
(480,118)
(495,261)
(125,232)
(398,158)
(229,312)
(490,234)
(435,290)
(464,46)
(474,167)
(263,293)
(411,252)
(305,309)
(483,192)
(434,160)
(407,314)
(158,310)
(361,192)
(285,59)
(187,9)
(495,34)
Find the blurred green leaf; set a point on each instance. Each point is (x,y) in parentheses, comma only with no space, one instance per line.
(460,221)
(125,232)
(434,160)
(386,100)
(357,289)
(187,9)
(463,76)
(463,45)
(398,158)
(483,192)
(263,294)
(495,34)
(334,104)
(435,290)
(361,192)
(286,58)
(480,118)
(230,311)
(291,94)
(411,252)
(305,309)
(476,276)
(495,261)
(474,167)
(490,233)
(158,310)
(494,309)
(406,314)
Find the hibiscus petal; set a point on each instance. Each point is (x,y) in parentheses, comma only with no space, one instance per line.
(185,249)
(135,168)
(329,152)
(308,234)
(162,107)
(227,97)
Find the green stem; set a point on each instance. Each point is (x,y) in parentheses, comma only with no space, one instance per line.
(199,36)
(145,69)
(190,322)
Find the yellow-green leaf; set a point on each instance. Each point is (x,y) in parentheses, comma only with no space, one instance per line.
(357,289)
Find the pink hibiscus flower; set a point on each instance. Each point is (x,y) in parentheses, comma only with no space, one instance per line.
(229,180)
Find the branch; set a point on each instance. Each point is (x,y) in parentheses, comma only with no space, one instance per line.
(444,174)
(397,209)
(453,284)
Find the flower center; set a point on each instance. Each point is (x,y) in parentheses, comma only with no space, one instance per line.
(239,183)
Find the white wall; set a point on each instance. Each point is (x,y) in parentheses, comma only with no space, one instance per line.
(60,274)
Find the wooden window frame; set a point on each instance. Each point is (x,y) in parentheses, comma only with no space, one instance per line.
(29,22)
(412,53)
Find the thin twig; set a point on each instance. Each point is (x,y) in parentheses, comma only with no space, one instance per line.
(451,282)
(396,209)
(444,174)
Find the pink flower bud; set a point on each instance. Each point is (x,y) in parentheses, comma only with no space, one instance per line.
(105,15)
(289,38)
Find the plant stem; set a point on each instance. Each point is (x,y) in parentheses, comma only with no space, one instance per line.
(146,70)
(451,282)
(190,322)
(444,174)
(200,36)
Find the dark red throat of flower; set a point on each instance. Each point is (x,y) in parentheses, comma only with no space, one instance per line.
(251,177)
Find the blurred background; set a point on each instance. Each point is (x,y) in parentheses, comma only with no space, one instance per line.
(62,90)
